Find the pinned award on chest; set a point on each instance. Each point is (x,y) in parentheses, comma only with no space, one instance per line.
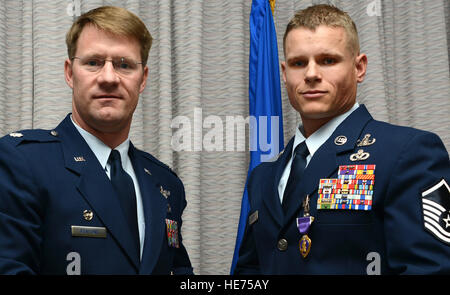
(303,225)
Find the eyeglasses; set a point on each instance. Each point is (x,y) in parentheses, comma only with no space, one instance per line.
(122,65)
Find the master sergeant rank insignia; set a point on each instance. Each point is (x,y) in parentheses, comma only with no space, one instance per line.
(436,211)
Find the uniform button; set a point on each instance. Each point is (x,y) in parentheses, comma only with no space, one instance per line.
(54,133)
(282,245)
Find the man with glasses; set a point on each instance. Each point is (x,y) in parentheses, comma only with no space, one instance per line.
(81,199)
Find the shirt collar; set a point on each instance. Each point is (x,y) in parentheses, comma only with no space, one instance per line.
(101,150)
(315,141)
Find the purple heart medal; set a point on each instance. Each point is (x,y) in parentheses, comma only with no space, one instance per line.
(303,224)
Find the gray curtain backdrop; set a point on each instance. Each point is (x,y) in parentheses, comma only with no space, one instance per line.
(199,76)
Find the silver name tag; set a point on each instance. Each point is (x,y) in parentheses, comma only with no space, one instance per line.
(88,231)
(253,218)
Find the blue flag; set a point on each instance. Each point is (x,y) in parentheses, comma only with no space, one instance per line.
(266,121)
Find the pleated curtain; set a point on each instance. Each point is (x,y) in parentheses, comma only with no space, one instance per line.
(198,88)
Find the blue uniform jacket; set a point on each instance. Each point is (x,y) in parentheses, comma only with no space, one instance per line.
(391,238)
(47,181)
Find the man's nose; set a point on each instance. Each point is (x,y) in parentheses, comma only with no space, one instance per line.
(108,74)
(312,73)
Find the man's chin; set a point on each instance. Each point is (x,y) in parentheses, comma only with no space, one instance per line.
(109,122)
(316,113)
(108,115)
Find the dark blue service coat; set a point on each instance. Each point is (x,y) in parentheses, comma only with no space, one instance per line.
(400,234)
(51,181)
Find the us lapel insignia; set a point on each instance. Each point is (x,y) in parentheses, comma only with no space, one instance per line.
(340,140)
(79,159)
(360,155)
(147,171)
(366,140)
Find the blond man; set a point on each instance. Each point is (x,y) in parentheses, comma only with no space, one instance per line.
(81,199)
(349,194)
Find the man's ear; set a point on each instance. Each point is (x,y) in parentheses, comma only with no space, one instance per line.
(144,79)
(361,67)
(68,73)
(283,70)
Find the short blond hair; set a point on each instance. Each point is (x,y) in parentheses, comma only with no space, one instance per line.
(115,20)
(328,15)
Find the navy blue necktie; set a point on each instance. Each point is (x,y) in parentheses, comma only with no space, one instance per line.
(124,187)
(297,168)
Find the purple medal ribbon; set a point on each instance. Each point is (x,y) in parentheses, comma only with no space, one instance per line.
(303,224)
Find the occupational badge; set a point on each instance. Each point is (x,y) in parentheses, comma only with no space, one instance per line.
(436,211)
(303,225)
(360,155)
(366,141)
(164,192)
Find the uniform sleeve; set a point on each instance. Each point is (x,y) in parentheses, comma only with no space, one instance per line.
(20,214)
(182,264)
(410,247)
(248,262)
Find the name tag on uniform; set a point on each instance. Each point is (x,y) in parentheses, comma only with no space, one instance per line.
(253,218)
(88,231)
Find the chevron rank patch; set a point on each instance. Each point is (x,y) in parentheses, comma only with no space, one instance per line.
(436,211)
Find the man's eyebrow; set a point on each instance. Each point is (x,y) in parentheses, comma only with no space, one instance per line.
(318,54)
(330,53)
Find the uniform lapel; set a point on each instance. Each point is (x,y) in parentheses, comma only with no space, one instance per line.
(324,162)
(322,165)
(272,200)
(95,187)
(155,208)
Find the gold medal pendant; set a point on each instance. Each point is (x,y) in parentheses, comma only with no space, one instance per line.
(305,245)
(303,225)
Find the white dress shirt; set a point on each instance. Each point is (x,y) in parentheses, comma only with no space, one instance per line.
(313,142)
(102,152)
